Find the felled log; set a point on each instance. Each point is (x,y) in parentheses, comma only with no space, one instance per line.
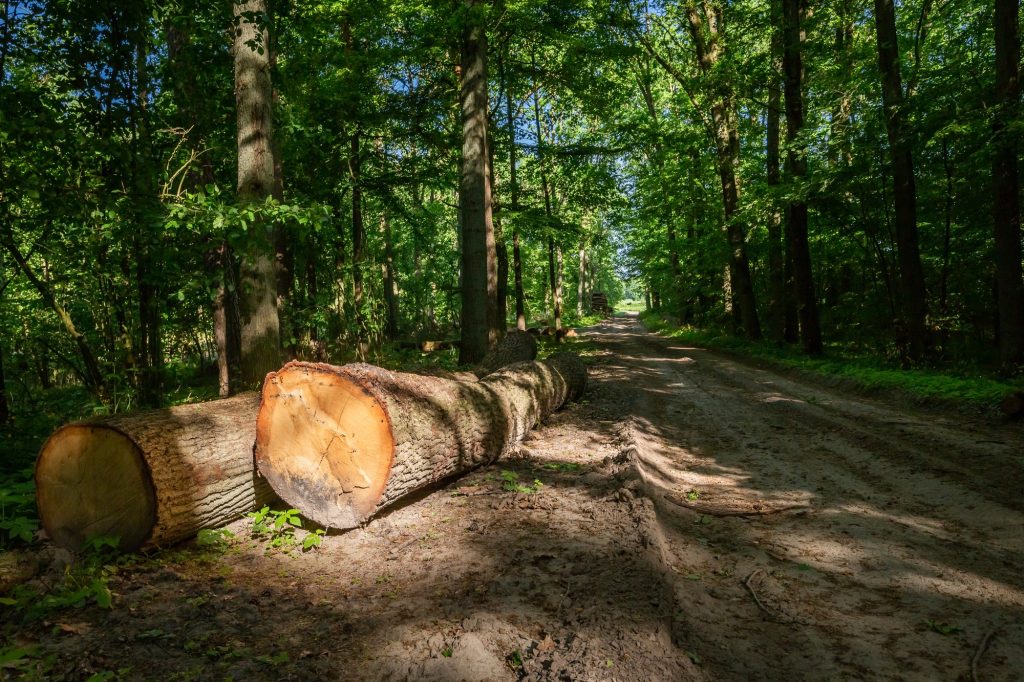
(1013,404)
(341,443)
(516,346)
(152,478)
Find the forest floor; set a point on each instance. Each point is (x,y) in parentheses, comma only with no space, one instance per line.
(815,535)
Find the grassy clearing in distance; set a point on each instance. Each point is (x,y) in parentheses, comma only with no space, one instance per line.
(630,306)
(971,388)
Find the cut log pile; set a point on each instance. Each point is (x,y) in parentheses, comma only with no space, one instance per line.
(599,303)
(357,437)
(341,443)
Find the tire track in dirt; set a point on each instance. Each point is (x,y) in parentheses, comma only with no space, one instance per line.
(902,540)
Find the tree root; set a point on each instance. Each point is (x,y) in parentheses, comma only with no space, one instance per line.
(980,651)
(777,617)
(730,511)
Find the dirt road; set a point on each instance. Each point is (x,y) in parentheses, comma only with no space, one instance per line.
(814,536)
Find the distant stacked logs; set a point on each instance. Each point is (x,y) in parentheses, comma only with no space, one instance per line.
(341,443)
(599,303)
(152,478)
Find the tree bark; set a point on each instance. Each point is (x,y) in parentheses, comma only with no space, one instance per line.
(581,278)
(709,45)
(260,327)
(153,478)
(1009,277)
(913,293)
(5,407)
(517,267)
(517,261)
(515,346)
(342,443)
(554,251)
(358,233)
(388,273)
(151,372)
(796,166)
(776,257)
(479,260)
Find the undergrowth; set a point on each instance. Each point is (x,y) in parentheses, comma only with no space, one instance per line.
(969,386)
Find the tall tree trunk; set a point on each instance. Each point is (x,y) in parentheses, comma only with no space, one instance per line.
(1006,185)
(776,258)
(517,261)
(150,381)
(557,290)
(581,280)
(479,260)
(554,273)
(388,274)
(796,166)
(5,408)
(947,229)
(260,328)
(709,46)
(358,233)
(501,308)
(915,308)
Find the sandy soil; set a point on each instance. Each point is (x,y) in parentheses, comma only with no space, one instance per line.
(699,518)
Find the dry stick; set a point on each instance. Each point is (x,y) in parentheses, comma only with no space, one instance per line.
(980,651)
(712,511)
(781,618)
(750,588)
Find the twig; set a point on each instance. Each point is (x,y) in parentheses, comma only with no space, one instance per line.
(777,617)
(476,493)
(750,588)
(980,651)
(719,511)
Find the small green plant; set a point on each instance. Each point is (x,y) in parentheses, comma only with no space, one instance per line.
(18,522)
(511,483)
(85,582)
(515,660)
(693,495)
(216,539)
(942,628)
(278,528)
(25,661)
(563,466)
(275,660)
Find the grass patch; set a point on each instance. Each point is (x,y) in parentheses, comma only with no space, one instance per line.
(971,386)
(629,305)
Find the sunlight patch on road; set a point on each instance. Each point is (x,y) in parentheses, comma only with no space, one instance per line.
(777,397)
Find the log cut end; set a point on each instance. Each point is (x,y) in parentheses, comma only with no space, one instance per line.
(323,439)
(92,481)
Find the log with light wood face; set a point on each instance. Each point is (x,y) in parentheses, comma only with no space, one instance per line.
(341,443)
(152,478)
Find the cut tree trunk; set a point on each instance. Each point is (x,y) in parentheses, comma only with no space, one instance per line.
(516,346)
(341,443)
(152,478)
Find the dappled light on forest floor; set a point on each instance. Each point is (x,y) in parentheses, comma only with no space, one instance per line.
(672,525)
